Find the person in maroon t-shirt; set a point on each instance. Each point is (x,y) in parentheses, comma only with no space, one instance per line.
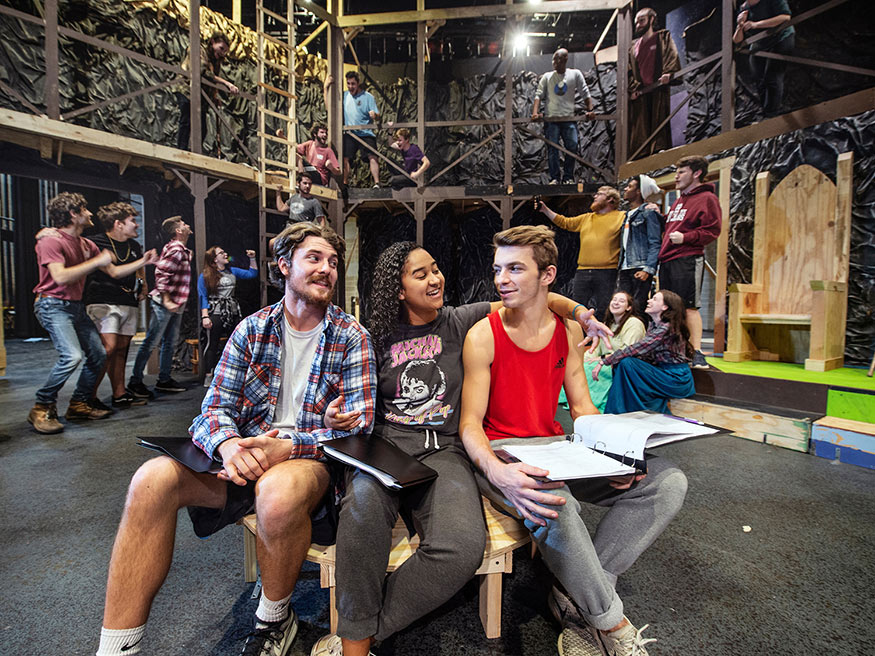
(653,58)
(65,258)
(692,223)
(515,362)
(318,154)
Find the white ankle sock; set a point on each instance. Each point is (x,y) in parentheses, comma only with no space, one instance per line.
(113,640)
(272,611)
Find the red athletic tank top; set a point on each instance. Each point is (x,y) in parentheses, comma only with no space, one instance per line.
(525,385)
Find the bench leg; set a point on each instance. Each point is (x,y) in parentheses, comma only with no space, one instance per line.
(332,609)
(490,604)
(250,562)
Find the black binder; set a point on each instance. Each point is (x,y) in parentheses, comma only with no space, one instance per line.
(184,451)
(379,457)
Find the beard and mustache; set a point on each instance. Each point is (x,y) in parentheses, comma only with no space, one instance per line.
(309,296)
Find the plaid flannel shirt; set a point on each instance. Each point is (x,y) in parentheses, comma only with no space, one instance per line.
(242,398)
(658,346)
(173,273)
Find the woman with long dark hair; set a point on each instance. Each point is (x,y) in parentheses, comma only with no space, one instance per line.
(418,342)
(621,317)
(220,311)
(657,368)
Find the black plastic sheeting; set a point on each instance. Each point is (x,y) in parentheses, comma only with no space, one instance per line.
(462,245)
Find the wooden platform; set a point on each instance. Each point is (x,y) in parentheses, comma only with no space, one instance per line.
(845,440)
(782,427)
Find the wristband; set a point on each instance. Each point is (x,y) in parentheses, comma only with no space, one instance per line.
(574,310)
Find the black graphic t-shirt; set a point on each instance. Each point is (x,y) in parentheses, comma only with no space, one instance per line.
(420,372)
(103,288)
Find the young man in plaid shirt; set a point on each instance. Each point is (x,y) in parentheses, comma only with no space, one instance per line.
(172,283)
(282,370)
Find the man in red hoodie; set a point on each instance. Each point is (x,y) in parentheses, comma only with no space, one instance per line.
(692,223)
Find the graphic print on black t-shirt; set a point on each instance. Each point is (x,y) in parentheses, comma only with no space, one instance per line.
(420,384)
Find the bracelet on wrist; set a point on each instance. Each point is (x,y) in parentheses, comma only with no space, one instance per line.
(574,310)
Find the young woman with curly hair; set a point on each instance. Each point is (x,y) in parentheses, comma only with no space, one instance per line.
(418,342)
(657,368)
(621,317)
(220,311)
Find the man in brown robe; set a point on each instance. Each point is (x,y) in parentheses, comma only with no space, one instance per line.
(653,58)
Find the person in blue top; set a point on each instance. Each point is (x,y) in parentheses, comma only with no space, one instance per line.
(220,311)
(359,108)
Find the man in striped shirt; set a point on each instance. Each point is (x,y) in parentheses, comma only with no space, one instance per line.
(283,369)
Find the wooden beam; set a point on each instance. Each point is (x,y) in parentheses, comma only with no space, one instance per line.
(727,68)
(313,34)
(20,15)
(123,164)
(799,18)
(722,257)
(421,52)
(553,7)
(236,13)
(195,109)
(24,101)
(621,130)
(606,175)
(466,154)
(104,146)
(52,97)
(818,64)
(119,50)
(598,44)
(118,99)
(830,110)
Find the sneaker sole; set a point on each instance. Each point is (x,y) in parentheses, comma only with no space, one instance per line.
(579,646)
(286,648)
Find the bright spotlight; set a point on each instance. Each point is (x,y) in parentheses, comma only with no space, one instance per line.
(519,43)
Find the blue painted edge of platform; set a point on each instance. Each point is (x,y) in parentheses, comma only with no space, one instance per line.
(844,454)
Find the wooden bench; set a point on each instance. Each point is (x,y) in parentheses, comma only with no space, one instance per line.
(504,535)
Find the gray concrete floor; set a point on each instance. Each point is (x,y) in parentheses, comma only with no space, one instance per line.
(800,582)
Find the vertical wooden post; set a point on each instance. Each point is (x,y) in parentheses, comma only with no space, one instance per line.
(419,212)
(335,105)
(421,46)
(727,69)
(722,260)
(194,37)
(237,17)
(199,192)
(52,96)
(621,124)
(508,107)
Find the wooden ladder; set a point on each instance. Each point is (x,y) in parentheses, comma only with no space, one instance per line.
(274,54)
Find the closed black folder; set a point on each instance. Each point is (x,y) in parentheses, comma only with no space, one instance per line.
(184,451)
(379,457)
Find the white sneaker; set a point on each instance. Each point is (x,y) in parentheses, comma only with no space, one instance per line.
(626,641)
(577,637)
(554,181)
(272,638)
(328,645)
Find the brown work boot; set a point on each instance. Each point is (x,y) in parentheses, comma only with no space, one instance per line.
(44,417)
(84,410)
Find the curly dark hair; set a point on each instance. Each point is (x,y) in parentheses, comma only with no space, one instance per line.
(62,207)
(386,309)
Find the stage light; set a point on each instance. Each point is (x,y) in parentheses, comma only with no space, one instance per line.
(519,43)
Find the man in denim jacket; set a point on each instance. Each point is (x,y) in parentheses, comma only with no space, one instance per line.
(639,241)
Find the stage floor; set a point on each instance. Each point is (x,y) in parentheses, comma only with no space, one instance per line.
(844,377)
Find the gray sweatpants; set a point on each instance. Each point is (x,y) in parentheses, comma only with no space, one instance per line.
(588,567)
(448,517)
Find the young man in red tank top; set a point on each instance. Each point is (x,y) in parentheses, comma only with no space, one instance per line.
(516,360)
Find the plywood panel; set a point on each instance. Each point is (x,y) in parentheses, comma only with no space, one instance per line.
(799,231)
